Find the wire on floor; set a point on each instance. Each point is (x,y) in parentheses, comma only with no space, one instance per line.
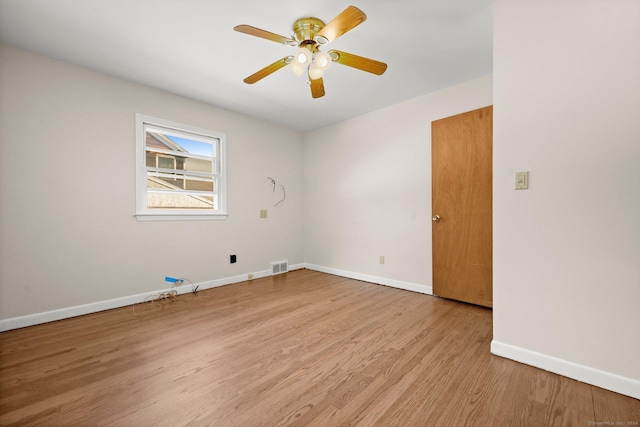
(167,296)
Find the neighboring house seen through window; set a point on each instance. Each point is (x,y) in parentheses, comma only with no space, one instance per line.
(180,171)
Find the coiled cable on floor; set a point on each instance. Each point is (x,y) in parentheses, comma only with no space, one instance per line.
(166,296)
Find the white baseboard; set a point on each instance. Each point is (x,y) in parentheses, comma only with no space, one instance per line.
(596,377)
(408,286)
(79,310)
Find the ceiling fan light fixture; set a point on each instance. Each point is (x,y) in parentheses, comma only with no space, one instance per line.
(303,57)
(315,72)
(322,60)
(296,68)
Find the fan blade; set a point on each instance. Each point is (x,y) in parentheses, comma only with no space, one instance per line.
(359,62)
(317,88)
(350,18)
(253,31)
(268,70)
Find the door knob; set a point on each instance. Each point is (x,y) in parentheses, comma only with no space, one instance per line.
(435,218)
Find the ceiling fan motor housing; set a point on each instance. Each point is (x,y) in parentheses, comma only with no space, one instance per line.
(304,31)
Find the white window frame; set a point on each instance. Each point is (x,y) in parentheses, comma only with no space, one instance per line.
(219,139)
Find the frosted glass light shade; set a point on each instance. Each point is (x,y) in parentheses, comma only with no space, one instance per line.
(315,72)
(296,68)
(303,56)
(322,60)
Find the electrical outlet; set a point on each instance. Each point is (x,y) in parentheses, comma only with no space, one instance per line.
(381,259)
(263,213)
(232,259)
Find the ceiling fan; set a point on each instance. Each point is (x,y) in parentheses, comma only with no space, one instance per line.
(309,34)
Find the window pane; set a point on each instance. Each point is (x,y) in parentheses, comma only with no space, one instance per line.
(172,170)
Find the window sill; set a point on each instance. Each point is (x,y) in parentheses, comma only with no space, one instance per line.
(180,217)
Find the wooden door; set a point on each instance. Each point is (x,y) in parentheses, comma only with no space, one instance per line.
(461,158)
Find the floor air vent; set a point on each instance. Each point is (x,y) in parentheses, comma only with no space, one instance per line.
(279,267)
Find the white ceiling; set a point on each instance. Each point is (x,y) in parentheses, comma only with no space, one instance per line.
(188,47)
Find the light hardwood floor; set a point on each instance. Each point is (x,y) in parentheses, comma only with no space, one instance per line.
(303,348)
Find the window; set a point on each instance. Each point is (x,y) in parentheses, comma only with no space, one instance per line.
(180,171)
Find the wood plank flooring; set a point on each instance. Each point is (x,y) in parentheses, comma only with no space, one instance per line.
(299,349)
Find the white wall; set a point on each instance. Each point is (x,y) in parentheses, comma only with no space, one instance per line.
(567,251)
(368,188)
(68,234)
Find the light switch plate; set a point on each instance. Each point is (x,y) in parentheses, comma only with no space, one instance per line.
(522,180)
(263,213)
